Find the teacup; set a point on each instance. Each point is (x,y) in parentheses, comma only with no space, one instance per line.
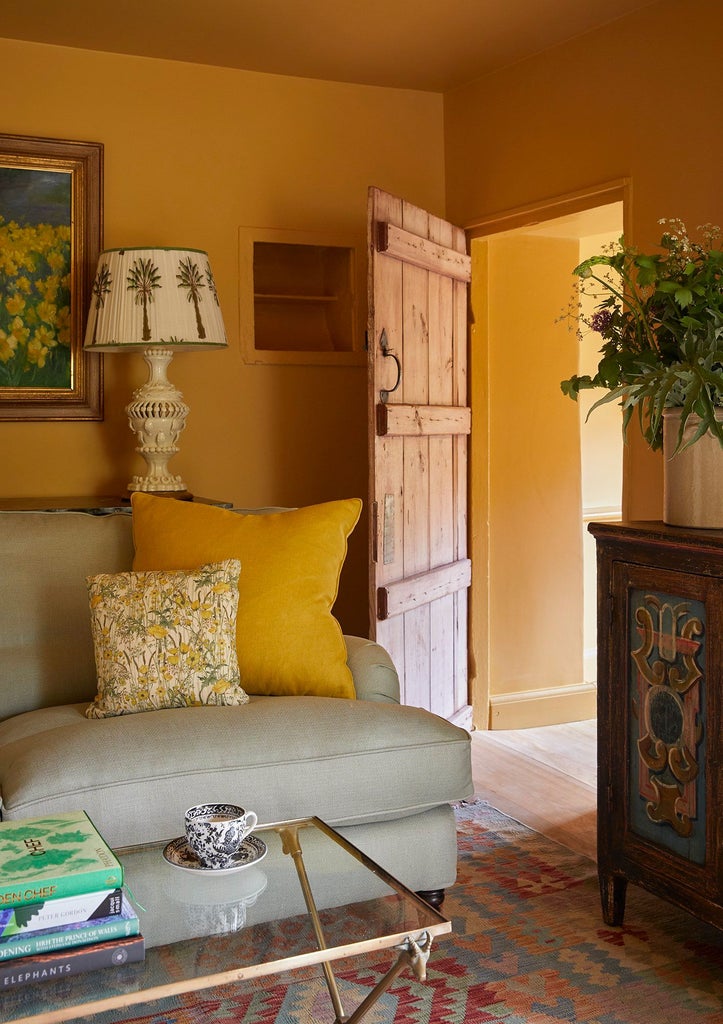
(215,832)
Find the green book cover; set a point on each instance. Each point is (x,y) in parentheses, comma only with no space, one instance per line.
(48,857)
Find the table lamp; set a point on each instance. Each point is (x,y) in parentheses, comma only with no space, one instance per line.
(158,300)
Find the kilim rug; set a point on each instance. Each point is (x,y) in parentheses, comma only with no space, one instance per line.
(528,947)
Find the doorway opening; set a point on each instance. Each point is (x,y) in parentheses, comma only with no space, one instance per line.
(540,472)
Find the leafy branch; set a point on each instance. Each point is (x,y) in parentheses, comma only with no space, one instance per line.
(661,320)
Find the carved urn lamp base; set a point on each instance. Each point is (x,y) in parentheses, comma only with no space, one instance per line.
(157,415)
(157,300)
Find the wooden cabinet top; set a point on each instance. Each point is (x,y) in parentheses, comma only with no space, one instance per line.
(656,542)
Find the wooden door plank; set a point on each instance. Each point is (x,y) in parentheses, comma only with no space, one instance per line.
(390,634)
(417,432)
(413,591)
(413,248)
(443,692)
(417,657)
(441,306)
(385,454)
(441,322)
(443,679)
(422,419)
(463,710)
(441,502)
(441,499)
(415,391)
(459,379)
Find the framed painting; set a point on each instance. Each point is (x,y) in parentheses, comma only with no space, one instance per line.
(50,237)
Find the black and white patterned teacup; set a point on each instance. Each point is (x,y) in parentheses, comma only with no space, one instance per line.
(215,832)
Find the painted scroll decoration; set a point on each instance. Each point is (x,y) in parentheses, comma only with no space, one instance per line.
(667,741)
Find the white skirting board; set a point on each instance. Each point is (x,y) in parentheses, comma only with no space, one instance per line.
(552,705)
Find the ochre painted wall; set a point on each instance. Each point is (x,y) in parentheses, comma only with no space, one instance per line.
(192,153)
(601,445)
(639,99)
(527,610)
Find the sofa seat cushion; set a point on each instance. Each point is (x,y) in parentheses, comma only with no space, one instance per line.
(346,761)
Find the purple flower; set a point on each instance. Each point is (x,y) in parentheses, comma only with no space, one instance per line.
(600,321)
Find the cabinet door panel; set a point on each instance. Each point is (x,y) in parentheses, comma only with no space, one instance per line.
(661,720)
(667,720)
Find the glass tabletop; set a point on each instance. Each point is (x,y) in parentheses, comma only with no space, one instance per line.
(306,896)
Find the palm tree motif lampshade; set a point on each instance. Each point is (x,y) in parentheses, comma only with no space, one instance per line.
(158,300)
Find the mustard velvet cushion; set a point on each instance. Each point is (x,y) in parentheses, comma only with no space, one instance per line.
(165,639)
(288,641)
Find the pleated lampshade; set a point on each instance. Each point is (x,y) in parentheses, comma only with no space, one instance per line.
(154,297)
(159,300)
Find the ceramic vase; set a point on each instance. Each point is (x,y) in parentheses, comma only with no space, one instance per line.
(693,476)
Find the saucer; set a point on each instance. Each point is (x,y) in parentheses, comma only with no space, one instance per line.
(180,855)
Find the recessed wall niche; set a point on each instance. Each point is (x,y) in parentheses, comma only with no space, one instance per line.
(300,298)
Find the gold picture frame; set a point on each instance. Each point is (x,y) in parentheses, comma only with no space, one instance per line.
(51,216)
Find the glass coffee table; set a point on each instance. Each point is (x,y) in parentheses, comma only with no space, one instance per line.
(305,896)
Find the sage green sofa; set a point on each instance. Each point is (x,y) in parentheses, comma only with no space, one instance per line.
(382,773)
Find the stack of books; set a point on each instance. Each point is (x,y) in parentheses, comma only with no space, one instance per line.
(63,908)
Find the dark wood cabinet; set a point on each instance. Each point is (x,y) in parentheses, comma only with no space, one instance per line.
(660,677)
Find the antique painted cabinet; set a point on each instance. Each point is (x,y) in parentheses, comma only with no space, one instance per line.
(660,677)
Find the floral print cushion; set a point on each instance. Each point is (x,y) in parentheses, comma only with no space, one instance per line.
(165,639)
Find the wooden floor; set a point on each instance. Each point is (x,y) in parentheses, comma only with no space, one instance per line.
(544,778)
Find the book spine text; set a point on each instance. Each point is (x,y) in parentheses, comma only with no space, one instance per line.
(114,953)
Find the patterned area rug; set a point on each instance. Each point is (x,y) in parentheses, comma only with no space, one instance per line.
(528,947)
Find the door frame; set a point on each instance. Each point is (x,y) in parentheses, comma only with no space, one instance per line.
(479,449)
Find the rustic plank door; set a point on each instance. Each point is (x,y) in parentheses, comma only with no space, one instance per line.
(419,425)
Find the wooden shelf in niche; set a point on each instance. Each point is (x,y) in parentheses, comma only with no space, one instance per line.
(304,299)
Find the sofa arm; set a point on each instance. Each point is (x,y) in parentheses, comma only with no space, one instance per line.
(375,677)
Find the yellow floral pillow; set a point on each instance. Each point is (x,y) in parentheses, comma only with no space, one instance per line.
(165,639)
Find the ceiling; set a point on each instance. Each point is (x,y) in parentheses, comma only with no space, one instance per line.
(432,45)
(598,220)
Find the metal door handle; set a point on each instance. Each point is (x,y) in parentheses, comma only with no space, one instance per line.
(384,345)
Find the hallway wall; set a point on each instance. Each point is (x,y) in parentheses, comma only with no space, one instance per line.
(638,98)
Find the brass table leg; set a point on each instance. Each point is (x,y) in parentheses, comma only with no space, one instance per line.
(412,953)
(291,845)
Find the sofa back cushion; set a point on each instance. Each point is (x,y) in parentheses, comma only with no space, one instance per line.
(289,642)
(46,648)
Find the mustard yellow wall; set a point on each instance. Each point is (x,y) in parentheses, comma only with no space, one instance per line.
(192,153)
(601,460)
(639,98)
(527,604)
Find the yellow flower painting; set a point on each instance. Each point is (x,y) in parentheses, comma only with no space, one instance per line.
(35,275)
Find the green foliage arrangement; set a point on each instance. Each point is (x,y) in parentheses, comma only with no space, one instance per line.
(661,320)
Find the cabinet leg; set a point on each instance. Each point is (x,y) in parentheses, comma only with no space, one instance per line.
(612,897)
